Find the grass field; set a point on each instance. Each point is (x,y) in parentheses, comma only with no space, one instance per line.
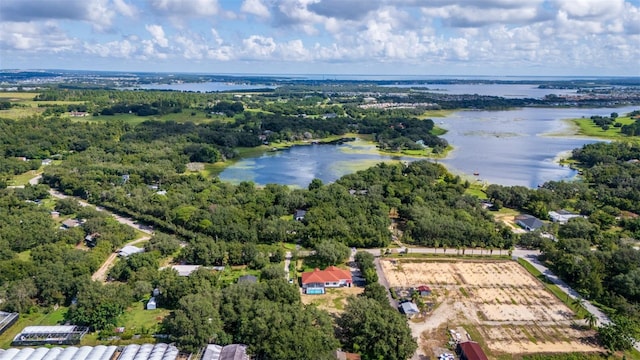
(586,127)
(53,317)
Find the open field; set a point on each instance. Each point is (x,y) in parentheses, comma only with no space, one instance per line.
(501,305)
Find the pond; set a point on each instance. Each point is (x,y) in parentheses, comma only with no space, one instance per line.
(514,147)
(298,165)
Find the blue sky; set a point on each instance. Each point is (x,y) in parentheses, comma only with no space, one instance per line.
(395,37)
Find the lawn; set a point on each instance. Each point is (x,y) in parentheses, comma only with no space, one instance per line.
(586,127)
(53,317)
(23,179)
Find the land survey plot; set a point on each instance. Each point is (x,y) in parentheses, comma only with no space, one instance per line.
(499,301)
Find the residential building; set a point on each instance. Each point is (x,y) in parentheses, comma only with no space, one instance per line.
(562,216)
(529,222)
(470,350)
(409,308)
(314,282)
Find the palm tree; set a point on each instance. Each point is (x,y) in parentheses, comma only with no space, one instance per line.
(591,320)
(578,303)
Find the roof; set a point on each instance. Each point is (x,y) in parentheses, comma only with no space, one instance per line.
(341,355)
(48,329)
(130,250)
(229,352)
(422,288)
(247,278)
(69,223)
(299,213)
(409,308)
(185,270)
(530,221)
(472,350)
(330,274)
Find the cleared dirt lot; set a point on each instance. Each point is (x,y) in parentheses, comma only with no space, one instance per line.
(498,301)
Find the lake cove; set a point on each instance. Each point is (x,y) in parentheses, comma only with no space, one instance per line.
(513,147)
(300,164)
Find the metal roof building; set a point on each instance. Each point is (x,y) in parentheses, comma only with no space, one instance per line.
(49,335)
(100,352)
(228,352)
(129,250)
(7,319)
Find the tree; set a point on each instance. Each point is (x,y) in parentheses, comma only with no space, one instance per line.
(618,335)
(591,320)
(376,292)
(196,322)
(331,252)
(274,271)
(374,330)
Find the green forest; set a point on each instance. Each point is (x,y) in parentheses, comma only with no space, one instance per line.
(140,170)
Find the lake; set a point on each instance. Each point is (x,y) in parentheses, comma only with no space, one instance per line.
(503,90)
(514,147)
(204,86)
(300,164)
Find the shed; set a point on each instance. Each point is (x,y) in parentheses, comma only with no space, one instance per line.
(298,215)
(424,290)
(70,223)
(470,350)
(408,308)
(151,304)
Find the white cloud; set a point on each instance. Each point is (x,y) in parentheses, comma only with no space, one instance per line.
(258,47)
(115,49)
(187,8)
(35,37)
(255,7)
(158,35)
(125,9)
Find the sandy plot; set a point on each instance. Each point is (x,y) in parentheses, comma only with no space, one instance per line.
(510,308)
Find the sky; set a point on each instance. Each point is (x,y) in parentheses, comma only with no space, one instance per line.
(383,37)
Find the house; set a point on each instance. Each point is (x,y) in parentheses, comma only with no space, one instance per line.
(91,240)
(46,162)
(70,223)
(129,250)
(529,222)
(470,350)
(562,216)
(408,308)
(55,214)
(298,215)
(424,290)
(151,304)
(247,279)
(314,282)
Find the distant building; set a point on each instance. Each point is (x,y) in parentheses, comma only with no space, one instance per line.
(91,240)
(7,319)
(151,304)
(409,308)
(298,215)
(228,352)
(563,216)
(341,355)
(424,290)
(47,162)
(129,250)
(470,350)
(70,223)
(529,222)
(247,279)
(49,335)
(315,282)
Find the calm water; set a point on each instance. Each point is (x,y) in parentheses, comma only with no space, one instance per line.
(299,165)
(515,147)
(512,147)
(203,87)
(503,90)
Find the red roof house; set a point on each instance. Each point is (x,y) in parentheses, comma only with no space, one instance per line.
(314,282)
(470,350)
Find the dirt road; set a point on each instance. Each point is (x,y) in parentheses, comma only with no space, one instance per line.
(101,273)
